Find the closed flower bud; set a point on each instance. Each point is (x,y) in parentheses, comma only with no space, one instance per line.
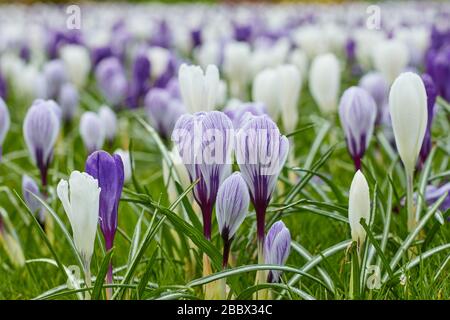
(237,112)
(358,207)
(92,131)
(78,63)
(408,110)
(4,123)
(232,205)
(125,156)
(111,80)
(109,121)
(80,197)
(376,85)
(324,82)
(264,90)
(236,62)
(276,249)
(30,187)
(40,130)
(357,111)
(163,111)
(199,90)
(68,100)
(55,77)
(289,86)
(390,57)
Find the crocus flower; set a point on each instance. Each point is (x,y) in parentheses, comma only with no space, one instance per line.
(205,141)
(80,197)
(125,156)
(289,86)
(4,123)
(409,125)
(109,171)
(3,87)
(111,80)
(30,187)
(358,207)
(430,89)
(378,88)
(357,111)
(68,100)
(237,112)
(264,90)
(324,82)
(40,130)
(163,111)
(390,57)
(78,63)
(276,249)
(439,69)
(231,208)
(261,152)
(55,76)
(10,240)
(140,82)
(109,121)
(236,64)
(199,90)
(433,193)
(92,131)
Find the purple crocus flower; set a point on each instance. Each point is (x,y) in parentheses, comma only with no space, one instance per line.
(242,32)
(162,37)
(40,130)
(431,100)
(231,208)
(30,187)
(55,76)
(140,82)
(196,37)
(100,53)
(204,141)
(276,249)
(433,193)
(109,172)
(169,73)
(261,152)
(357,111)
(5,122)
(163,111)
(237,112)
(3,87)
(111,80)
(438,67)
(68,101)
(376,85)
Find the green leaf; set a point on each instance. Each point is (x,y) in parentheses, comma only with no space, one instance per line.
(99,280)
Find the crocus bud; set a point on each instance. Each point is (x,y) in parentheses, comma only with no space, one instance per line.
(378,88)
(163,111)
(261,152)
(78,63)
(289,86)
(68,101)
(3,87)
(237,112)
(431,91)
(299,58)
(390,57)
(408,110)
(324,82)
(276,249)
(4,123)
(264,90)
(199,89)
(358,207)
(109,121)
(30,187)
(109,172)
(80,197)
(232,205)
(55,76)
(236,64)
(125,156)
(357,111)
(40,130)
(209,162)
(111,80)
(92,131)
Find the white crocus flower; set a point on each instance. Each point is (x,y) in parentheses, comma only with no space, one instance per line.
(125,156)
(264,90)
(80,197)
(358,207)
(289,86)
(199,90)
(236,67)
(390,57)
(78,63)
(324,82)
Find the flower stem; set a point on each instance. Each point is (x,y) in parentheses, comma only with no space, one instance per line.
(410,201)
(87,279)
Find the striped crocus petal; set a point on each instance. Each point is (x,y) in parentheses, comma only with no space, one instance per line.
(276,248)
(357,112)
(261,152)
(205,142)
